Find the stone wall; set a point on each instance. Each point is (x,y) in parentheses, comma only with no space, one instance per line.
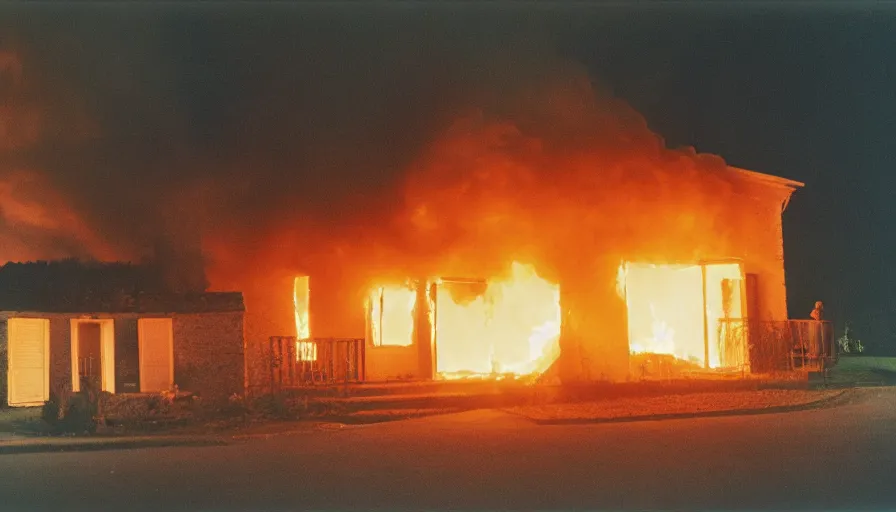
(209,353)
(127,356)
(60,352)
(4,363)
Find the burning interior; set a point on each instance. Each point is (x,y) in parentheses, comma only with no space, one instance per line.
(686,312)
(500,326)
(505,326)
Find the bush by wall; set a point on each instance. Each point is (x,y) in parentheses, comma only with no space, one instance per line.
(74,413)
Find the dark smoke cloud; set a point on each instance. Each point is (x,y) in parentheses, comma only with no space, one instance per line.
(137,116)
(159,125)
(259,145)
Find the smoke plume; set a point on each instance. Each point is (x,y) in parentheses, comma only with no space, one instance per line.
(252,151)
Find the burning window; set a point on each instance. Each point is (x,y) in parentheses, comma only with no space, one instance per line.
(724,312)
(665,304)
(685,311)
(392,315)
(500,326)
(305,350)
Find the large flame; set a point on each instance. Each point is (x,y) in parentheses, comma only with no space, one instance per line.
(684,311)
(505,325)
(511,326)
(305,350)
(660,341)
(392,315)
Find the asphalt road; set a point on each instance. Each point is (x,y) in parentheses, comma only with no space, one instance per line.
(835,458)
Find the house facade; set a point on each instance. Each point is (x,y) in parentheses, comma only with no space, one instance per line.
(141,343)
(684,288)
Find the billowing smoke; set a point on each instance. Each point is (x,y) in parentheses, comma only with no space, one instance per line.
(258,151)
(546,169)
(60,194)
(37,220)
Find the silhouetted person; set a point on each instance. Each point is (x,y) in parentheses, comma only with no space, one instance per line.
(817,345)
(818,312)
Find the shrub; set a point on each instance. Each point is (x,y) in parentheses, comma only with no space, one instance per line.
(56,407)
(80,417)
(233,406)
(127,408)
(50,411)
(74,413)
(274,407)
(141,411)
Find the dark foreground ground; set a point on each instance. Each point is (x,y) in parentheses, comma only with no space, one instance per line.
(840,457)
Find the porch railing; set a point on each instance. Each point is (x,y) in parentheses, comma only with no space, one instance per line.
(785,344)
(315,361)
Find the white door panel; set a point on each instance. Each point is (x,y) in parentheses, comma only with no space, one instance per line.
(29,351)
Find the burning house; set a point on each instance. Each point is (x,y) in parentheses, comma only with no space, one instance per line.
(576,260)
(515,220)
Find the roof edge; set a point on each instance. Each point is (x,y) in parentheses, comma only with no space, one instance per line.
(768,179)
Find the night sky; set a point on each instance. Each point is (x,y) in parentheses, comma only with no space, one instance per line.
(248,111)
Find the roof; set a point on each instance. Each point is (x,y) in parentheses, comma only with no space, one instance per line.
(768,179)
(76,287)
(216,302)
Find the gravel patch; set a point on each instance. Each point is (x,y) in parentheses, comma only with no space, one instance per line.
(674,405)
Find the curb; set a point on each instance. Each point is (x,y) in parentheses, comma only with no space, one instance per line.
(816,404)
(335,424)
(98,444)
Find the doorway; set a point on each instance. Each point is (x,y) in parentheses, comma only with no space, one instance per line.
(90,360)
(93,353)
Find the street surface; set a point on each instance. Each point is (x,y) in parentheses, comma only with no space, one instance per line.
(834,458)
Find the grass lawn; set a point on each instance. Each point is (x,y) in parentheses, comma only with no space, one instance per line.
(21,420)
(867,370)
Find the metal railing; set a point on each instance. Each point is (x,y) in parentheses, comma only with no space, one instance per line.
(784,345)
(315,361)
(86,366)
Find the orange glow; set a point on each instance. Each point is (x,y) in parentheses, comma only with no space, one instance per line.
(305,350)
(392,315)
(664,310)
(507,325)
(490,189)
(620,280)
(670,312)
(724,302)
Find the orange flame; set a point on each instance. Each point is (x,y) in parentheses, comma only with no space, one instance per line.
(681,310)
(305,350)
(392,315)
(512,327)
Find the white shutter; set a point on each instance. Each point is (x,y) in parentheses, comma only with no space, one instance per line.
(156,354)
(29,369)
